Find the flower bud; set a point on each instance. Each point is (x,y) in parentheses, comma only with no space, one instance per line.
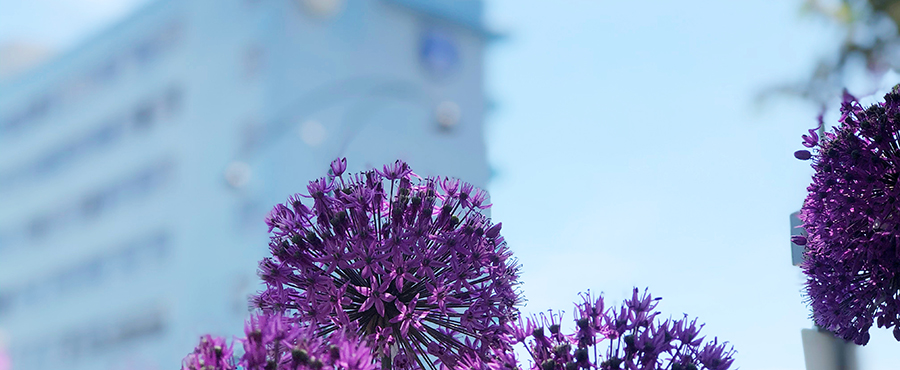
(493,231)
(554,329)
(802,155)
(581,355)
(300,356)
(338,166)
(548,365)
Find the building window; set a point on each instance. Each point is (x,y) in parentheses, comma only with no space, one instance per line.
(146,52)
(105,73)
(105,135)
(166,105)
(6,301)
(92,205)
(173,101)
(39,108)
(39,227)
(128,258)
(254,60)
(144,116)
(97,203)
(77,88)
(86,340)
(250,136)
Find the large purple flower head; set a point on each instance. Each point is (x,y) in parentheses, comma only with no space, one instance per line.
(634,339)
(852,216)
(410,264)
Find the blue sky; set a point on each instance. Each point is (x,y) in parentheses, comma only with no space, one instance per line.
(629,151)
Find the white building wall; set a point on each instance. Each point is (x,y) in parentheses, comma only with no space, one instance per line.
(121,237)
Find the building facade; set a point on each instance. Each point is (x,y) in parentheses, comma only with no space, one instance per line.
(135,170)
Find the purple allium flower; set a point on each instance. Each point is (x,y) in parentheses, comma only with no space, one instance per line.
(409,264)
(635,339)
(852,258)
(273,342)
(211,354)
(338,166)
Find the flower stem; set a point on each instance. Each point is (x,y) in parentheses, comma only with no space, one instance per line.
(386,362)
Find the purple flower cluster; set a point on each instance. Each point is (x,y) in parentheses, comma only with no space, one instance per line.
(852,217)
(636,340)
(410,265)
(276,343)
(384,269)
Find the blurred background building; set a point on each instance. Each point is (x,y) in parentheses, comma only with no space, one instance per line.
(136,169)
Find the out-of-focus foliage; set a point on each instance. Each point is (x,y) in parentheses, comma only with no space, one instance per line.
(870,41)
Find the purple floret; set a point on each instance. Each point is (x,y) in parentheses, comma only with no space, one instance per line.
(211,354)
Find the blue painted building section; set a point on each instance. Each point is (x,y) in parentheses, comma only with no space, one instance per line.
(135,170)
